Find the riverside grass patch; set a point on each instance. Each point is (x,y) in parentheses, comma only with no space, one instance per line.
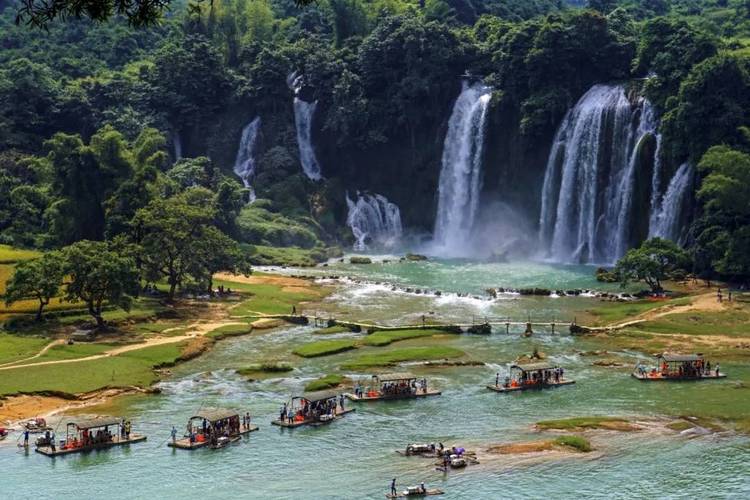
(230,331)
(586,423)
(10,255)
(326,382)
(133,368)
(395,356)
(16,347)
(324,348)
(579,443)
(269,298)
(386,337)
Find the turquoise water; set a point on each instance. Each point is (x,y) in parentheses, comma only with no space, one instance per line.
(354,457)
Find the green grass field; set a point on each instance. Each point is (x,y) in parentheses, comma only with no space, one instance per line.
(131,368)
(77,350)
(15,347)
(230,331)
(394,356)
(735,321)
(324,348)
(383,338)
(9,255)
(613,312)
(269,298)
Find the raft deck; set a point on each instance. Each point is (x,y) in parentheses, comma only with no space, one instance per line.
(658,377)
(528,387)
(299,423)
(425,494)
(418,394)
(184,443)
(116,441)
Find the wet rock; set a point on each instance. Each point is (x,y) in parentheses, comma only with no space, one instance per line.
(415,257)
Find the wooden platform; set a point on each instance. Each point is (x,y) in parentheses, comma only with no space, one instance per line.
(418,394)
(658,377)
(339,414)
(530,387)
(184,443)
(116,441)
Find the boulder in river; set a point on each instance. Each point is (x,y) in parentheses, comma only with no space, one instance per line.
(415,257)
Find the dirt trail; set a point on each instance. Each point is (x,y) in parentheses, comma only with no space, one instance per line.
(197,329)
(39,354)
(705,302)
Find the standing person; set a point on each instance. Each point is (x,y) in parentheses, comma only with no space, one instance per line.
(174,435)
(717,369)
(393,487)
(26,438)
(294,310)
(497,379)
(341,402)
(422,487)
(247,416)
(127,429)
(52,442)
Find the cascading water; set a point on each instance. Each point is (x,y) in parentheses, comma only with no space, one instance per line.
(461,173)
(303,118)
(177,142)
(668,215)
(244,163)
(590,182)
(372,218)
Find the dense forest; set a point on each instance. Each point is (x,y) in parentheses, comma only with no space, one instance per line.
(159,137)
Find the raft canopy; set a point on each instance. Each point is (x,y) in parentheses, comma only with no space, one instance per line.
(680,358)
(533,367)
(214,414)
(313,397)
(393,377)
(92,423)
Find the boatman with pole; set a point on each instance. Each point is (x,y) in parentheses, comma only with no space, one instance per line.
(393,487)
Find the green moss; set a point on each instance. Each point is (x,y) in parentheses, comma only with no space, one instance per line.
(261,255)
(680,425)
(583,423)
(134,368)
(324,348)
(230,331)
(268,367)
(331,329)
(258,224)
(579,443)
(394,356)
(382,338)
(327,382)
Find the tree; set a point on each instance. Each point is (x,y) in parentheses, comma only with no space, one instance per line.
(178,234)
(38,279)
(651,262)
(138,13)
(98,275)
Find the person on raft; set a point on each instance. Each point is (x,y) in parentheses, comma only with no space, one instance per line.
(393,487)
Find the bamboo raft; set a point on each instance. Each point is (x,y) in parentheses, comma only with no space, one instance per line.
(528,387)
(381,397)
(658,377)
(116,441)
(185,444)
(427,493)
(299,423)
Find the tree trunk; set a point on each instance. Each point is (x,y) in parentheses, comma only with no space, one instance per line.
(39,311)
(96,313)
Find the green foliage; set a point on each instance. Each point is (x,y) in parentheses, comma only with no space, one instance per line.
(579,443)
(39,279)
(259,225)
(382,338)
(580,423)
(651,262)
(97,274)
(723,232)
(324,348)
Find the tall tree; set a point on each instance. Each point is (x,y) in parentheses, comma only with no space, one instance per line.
(651,262)
(36,279)
(99,275)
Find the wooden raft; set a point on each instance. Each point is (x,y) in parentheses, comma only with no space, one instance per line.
(184,443)
(299,423)
(529,387)
(647,377)
(116,441)
(405,495)
(418,394)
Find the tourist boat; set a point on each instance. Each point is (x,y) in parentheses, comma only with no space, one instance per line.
(213,428)
(393,386)
(678,367)
(431,451)
(315,408)
(36,425)
(87,435)
(415,491)
(531,376)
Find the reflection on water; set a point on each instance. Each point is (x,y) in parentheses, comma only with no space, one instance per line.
(354,457)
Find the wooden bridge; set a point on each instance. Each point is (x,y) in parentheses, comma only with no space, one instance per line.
(483,325)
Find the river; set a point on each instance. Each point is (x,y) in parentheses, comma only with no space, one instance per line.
(355,457)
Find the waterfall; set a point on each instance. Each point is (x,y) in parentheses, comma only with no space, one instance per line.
(244,163)
(666,222)
(177,142)
(590,181)
(372,218)
(461,173)
(304,112)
